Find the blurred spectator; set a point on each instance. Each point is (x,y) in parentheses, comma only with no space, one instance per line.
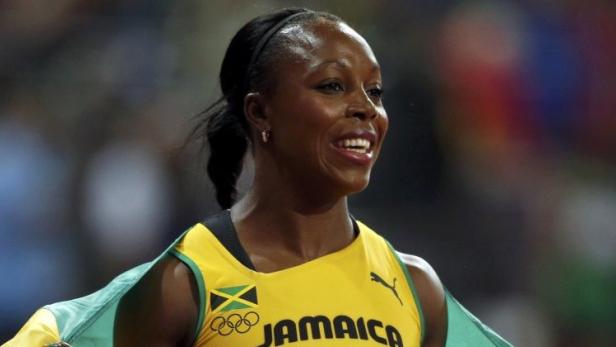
(127,203)
(35,242)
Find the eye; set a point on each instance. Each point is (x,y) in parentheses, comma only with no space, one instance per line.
(331,87)
(376,93)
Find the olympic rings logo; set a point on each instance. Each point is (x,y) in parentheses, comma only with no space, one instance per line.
(235,322)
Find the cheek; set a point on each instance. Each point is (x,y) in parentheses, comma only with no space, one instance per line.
(383,125)
(305,127)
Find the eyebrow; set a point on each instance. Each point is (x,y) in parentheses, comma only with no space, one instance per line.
(339,63)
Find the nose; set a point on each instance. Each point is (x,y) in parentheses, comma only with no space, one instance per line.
(361,107)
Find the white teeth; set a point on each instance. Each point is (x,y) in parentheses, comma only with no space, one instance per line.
(355,145)
(357,150)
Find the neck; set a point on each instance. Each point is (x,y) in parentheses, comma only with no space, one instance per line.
(287,218)
(279,229)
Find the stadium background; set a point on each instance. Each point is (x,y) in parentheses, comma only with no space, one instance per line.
(499,168)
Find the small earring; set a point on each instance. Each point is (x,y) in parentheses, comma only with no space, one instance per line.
(265,135)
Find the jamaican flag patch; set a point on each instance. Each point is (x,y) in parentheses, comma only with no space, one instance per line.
(233,298)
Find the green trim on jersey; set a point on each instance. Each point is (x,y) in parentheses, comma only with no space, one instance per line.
(409,280)
(200,285)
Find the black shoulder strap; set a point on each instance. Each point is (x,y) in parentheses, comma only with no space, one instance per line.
(355,226)
(222,227)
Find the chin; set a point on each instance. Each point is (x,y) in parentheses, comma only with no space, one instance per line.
(353,185)
(345,180)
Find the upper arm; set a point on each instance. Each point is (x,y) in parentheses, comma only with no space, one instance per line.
(161,309)
(431,297)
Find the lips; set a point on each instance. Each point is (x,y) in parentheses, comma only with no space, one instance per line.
(356,138)
(356,146)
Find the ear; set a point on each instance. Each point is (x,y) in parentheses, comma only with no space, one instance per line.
(254,109)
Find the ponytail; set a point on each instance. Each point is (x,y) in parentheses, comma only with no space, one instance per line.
(227,141)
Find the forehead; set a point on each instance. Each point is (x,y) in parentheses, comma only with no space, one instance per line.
(316,42)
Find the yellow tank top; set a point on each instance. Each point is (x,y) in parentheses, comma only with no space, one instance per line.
(361,295)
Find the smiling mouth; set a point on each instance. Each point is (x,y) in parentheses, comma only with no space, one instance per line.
(356,145)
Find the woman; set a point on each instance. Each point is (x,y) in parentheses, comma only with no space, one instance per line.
(286,263)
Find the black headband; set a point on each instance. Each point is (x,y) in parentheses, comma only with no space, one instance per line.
(263,42)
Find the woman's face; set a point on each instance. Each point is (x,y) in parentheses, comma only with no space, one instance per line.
(325,111)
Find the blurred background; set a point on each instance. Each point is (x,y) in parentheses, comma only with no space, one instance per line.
(499,167)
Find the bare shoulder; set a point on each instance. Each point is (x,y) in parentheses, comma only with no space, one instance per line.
(162,309)
(422,272)
(427,283)
(431,296)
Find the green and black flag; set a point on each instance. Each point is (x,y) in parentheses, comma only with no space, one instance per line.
(233,298)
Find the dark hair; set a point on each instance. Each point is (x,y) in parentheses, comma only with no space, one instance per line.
(223,123)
